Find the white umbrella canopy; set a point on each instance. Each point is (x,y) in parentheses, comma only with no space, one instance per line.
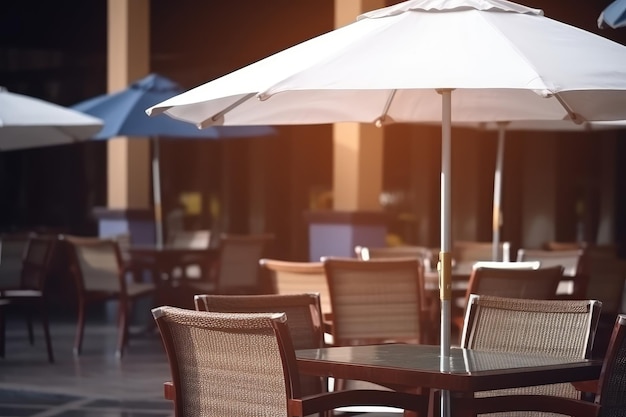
(424,61)
(504,62)
(29,122)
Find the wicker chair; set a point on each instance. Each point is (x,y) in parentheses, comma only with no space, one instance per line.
(291,277)
(304,320)
(530,282)
(509,280)
(375,301)
(562,328)
(12,249)
(30,294)
(607,277)
(237,270)
(570,260)
(100,275)
(244,364)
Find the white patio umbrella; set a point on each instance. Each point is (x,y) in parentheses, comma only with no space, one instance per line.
(29,122)
(424,61)
(502,128)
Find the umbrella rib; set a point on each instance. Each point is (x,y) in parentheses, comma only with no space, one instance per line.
(381,119)
(218,118)
(574,117)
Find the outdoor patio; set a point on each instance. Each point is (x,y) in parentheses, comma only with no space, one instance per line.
(94,385)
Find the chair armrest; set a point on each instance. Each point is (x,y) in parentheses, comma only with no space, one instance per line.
(587,386)
(168,391)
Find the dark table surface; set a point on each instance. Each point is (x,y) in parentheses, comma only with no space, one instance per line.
(466,370)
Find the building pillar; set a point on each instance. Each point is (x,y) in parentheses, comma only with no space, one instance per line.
(357,217)
(128,167)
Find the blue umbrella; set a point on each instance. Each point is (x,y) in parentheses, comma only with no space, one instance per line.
(123,113)
(614,15)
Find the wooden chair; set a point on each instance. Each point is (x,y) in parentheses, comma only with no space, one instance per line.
(244,364)
(376,301)
(237,270)
(100,275)
(528,282)
(509,279)
(607,276)
(570,260)
(424,254)
(292,277)
(560,328)
(466,253)
(12,249)
(30,294)
(304,320)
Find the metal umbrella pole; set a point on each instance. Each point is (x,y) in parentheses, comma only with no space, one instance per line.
(445,256)
(497,192)
(156,192)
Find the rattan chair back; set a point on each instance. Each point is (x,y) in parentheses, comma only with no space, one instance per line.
(563,328)
(293,277)
(612,385)
(238,269)
(12,250)
(568,259)
(540,283)
(228,364)
(304,320)
(97,264)
(375,301)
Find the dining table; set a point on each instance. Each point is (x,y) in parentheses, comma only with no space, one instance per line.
(168,267)
(407,367)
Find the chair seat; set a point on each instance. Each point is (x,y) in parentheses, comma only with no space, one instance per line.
(137,288)
(22,293)
(203,287)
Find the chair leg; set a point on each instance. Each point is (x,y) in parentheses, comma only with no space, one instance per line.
(29,325)
(46,329)
(80,327)
(122,326)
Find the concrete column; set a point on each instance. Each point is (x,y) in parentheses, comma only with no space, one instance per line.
(128,168)
(358,148)
(128,60)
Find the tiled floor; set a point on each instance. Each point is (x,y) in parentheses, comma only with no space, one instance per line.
(96,384)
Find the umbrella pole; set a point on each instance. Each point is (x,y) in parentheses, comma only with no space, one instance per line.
(445,257)
(497,193)
(156,192)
